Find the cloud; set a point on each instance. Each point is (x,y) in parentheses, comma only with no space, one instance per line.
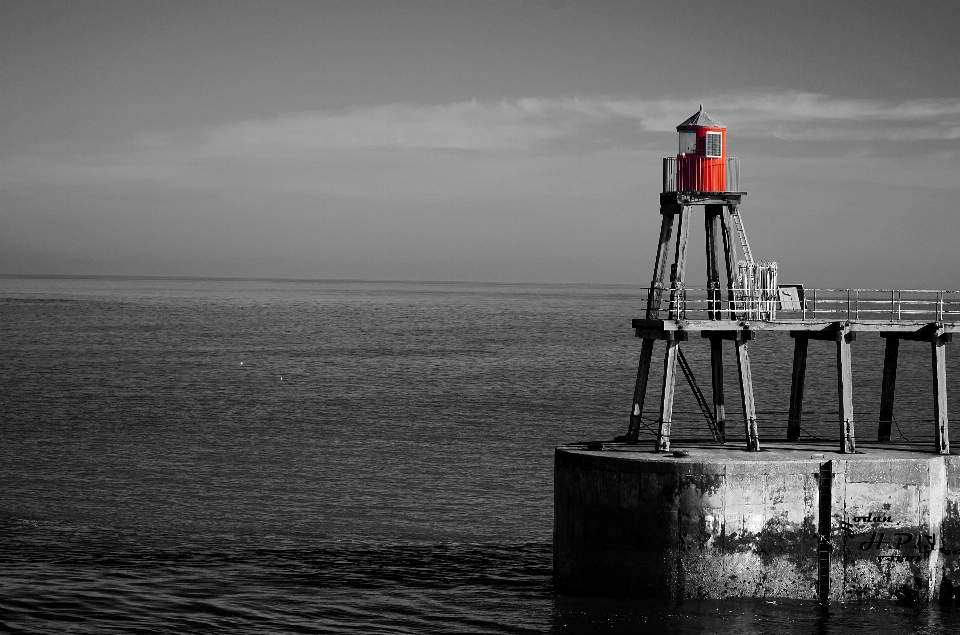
(529,123)
(459,126)
(288,147)
(816,117)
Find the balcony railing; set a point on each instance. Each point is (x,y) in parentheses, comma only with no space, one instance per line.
(789,302)
(701,174)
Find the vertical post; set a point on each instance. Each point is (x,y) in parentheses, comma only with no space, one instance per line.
(716,367)
(666,400)
(824,522)
(746,393)
(796,387)
(730,255)
(711,221)
(656,285)
(680,263)
(640,390)
(845,392)
(888,388)
(940,394)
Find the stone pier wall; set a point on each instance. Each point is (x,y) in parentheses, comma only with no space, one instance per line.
(726,523)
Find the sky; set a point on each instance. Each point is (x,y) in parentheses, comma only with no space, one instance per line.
(473,140)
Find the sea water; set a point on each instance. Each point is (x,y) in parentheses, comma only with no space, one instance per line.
(278,456)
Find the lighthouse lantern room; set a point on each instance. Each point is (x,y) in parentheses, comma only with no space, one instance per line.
(701,163)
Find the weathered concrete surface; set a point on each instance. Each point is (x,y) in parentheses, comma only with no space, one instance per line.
(723,522)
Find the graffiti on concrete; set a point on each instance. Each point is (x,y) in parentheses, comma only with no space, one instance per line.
(871,518)
(915,557)
(849,526)
(901,539)
(919,544)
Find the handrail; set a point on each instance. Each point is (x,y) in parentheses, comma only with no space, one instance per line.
(886,305)
(701,174)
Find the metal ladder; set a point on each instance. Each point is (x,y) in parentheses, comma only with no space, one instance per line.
(747,255)
(698,394)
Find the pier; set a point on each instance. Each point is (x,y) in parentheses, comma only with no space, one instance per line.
(858,518)
(797,521)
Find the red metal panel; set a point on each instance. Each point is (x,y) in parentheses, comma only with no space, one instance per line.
(699,173)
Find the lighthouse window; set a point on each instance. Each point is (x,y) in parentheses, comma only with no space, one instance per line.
(714,144)
(688,142)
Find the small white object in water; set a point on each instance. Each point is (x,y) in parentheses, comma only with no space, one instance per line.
(241,363)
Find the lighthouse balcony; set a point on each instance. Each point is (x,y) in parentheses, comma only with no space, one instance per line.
(691,173)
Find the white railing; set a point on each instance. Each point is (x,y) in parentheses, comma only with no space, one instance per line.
(757,295)
(765,303)
(701,174)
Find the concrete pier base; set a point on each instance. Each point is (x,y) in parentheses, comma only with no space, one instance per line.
(722,522)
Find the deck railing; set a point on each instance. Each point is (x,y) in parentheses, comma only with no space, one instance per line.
(790,302)
(702,174)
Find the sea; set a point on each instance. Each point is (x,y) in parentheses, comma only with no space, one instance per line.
(184,455)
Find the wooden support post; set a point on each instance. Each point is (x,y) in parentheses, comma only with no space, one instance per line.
(730,255)
(679,265)
(666,400)
(796,388)
(746,396)
(656,285)
(942,432)
(716,367)
(711,221)
(888,388)
(640,390)
(845,393)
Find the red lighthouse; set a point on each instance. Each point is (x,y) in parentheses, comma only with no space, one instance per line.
(702,156)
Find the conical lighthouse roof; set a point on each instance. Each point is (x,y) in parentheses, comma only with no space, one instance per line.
(701,119)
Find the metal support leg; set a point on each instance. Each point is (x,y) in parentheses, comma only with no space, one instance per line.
(730,258)
(888,388)
(656,284)
(640,390)
(746,396)
(716,366)
(679,265)
(940,395)
(711,223)
(796,388)
(845,393)
(666,400)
